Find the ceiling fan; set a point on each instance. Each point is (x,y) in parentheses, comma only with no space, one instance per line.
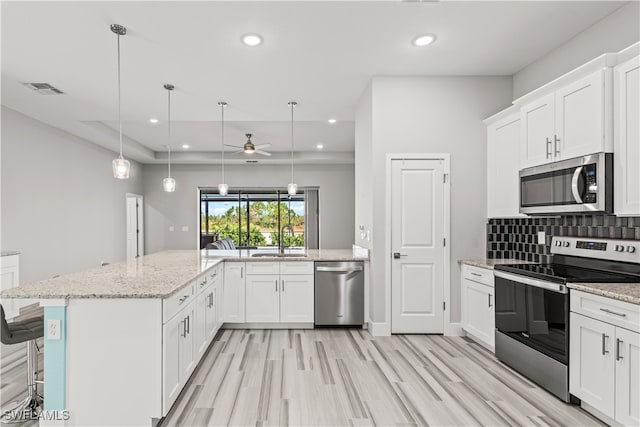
(250,148)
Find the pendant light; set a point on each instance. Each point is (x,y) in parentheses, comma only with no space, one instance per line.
(121,166)
(169,183)
(292,188)
(223,189)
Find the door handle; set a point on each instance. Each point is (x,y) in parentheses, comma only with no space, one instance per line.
(397,255)
(548,147)
(574,184)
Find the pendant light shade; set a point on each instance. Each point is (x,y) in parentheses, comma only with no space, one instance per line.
(121,166)
(223,189)
(292,188)
(169,184)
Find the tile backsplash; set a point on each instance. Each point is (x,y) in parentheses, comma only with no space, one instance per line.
(518,237)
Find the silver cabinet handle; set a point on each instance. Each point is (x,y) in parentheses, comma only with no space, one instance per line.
(188,325)
(476,274)
(241,271)
(556,148)
(276,285)
(548,147)
(618,349)
(282,285)
(613,312)
(184,327)
(604,346)
(183,299)
(489,295)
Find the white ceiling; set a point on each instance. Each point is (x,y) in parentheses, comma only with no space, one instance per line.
(321,54)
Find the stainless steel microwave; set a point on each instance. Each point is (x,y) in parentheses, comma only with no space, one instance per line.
(579,185)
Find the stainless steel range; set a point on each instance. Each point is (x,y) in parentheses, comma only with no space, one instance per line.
(532,304)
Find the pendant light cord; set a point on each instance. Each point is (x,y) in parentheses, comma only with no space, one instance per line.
(169,129)
(292,106)
(222,134)
(119,99)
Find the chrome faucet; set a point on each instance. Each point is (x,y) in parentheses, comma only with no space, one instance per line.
(291,231)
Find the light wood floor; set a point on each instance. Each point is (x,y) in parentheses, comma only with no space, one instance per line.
(336,377)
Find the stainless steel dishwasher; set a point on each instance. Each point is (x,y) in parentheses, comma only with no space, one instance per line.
(339,293)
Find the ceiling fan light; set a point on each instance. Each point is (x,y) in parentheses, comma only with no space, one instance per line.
(292,189)
(121,168)
(223,189)
(169,185)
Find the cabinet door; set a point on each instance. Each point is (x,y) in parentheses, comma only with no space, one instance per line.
(187,345)
(503,157)
(536,133)
(200,331)
(8,279)
(296,298)
(592,363)
(627,354)
(212,314)
(263,298)
(172,333)
(627,138)
(580,117)
(478,316)
(234,292)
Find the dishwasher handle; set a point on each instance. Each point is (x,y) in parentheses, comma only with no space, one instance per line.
(340,269)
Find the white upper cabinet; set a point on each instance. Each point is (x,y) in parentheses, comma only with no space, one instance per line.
(571,121)
(503,156)
(627,138)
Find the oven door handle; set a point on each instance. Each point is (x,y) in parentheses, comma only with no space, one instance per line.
(551,286)
(574,185)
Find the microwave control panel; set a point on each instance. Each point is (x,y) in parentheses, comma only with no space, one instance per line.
(591,183)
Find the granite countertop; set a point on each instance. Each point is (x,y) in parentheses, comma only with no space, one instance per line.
(627,292)
(490,263)
(9,253)
(154,276)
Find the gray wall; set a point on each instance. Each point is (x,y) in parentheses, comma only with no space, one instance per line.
(612,34)
(363,170)
(435,115)
(61,206)
(162,210)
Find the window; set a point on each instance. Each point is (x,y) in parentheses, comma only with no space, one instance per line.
(253,218)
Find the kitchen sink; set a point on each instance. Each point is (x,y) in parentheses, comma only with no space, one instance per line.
(278,255)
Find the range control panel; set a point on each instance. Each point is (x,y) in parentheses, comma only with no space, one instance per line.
(616,250)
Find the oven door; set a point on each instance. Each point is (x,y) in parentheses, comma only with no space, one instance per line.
(574,185)
(534,312)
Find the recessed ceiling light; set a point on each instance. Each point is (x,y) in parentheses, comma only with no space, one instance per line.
(424,40)
(252,39)
(332,121)
(319,146)
(185,146)
(154,121)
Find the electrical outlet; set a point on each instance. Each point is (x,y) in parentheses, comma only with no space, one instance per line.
(172,228)
(53,329)
(541,237)
(185,228)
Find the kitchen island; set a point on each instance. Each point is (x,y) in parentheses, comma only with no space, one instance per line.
(122,340)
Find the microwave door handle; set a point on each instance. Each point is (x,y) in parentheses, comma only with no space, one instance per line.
(574,184)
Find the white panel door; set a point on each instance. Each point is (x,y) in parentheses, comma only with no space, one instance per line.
(591,364)
(417,242)
(627,377)
(503,164)
(263,298)
(536,132)
(580,117)
(627,138)
(296,298)
(234,292)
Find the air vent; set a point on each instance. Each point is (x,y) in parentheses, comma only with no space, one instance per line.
(252,161)
(44,88)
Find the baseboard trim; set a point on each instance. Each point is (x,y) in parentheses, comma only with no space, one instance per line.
(379,329)
(267,326)
(453,330)
(599,415)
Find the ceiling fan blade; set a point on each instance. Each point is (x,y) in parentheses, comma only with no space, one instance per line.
(264,153)
(234,146)
(236,152)
(258,147)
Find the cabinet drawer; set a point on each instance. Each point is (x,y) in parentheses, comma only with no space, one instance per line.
(260,267)
(477,274)
(618,313)
(202,282)
(173,304)
(296,267)
(214,274)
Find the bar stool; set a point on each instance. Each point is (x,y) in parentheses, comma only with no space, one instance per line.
(27,330)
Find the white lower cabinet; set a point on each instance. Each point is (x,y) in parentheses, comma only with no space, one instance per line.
(178,355)
(205,326)
(263,298)
(296,298)
(234,292)
(9,278)
(604,358)
(478,305)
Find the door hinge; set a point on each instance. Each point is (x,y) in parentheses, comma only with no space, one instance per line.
(444,177)
(444,241)
(444,306)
